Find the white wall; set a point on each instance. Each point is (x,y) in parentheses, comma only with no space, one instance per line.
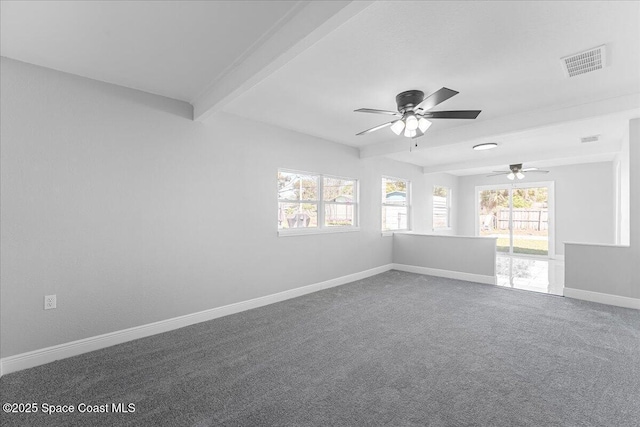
(611,273)
(445,180)
(116,201)
(584,202)
(621,165)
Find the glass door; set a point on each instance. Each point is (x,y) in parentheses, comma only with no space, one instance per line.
(518,216)
(494,216)
(530,221)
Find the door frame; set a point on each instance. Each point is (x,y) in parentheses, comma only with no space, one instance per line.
(551,206)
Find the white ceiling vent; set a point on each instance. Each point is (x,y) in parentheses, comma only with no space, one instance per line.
(588,139)
(584,62)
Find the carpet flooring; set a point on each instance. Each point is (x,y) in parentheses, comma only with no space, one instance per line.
(396,349)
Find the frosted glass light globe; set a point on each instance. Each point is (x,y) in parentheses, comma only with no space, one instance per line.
(423,124)
(411,122)
(397,127)
(410,133)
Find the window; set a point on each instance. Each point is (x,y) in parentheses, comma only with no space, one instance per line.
(339,202)
(395,204)
(309,202)
(441,207)
(297,200)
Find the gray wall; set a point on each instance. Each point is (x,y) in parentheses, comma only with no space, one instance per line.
(116,201)
(585,202)
(474,255)
(612,270)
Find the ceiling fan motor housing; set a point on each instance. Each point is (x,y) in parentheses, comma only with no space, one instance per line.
(516,168)
(409,99)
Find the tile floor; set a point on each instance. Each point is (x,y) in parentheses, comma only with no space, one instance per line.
(531,274)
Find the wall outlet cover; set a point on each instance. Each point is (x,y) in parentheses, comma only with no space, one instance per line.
(49,302)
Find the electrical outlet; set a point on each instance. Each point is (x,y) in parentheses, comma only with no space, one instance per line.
(49,302)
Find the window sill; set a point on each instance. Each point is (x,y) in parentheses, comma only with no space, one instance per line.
(290,232)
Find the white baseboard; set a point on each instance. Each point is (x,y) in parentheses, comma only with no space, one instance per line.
(469,277)
(610,299)
(74,348)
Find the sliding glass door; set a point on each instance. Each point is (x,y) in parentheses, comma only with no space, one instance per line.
(493,204)
(518,215)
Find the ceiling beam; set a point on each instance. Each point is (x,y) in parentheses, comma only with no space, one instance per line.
(482,131)
(307,23)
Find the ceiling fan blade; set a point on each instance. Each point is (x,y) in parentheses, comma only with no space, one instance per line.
(528,169)
(535,171)
(436,98)
(375,128)
(371,110)
(460,114)
(499,173)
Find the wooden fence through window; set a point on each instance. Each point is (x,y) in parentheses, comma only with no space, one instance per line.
(524,219)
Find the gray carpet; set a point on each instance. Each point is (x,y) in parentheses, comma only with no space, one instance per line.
(395,349)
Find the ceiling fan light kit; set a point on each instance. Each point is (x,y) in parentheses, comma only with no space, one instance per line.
(413,112)
(412,126)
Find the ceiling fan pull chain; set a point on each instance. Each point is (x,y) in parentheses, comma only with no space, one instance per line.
(413,142)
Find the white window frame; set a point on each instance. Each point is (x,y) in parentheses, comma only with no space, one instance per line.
(447,207)
(407,205)
(320,203)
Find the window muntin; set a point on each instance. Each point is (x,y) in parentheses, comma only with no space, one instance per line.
(396,196)
(308,201)
(441,207)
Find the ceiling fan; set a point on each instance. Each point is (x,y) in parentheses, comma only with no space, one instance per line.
(516,171)
(413,112)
